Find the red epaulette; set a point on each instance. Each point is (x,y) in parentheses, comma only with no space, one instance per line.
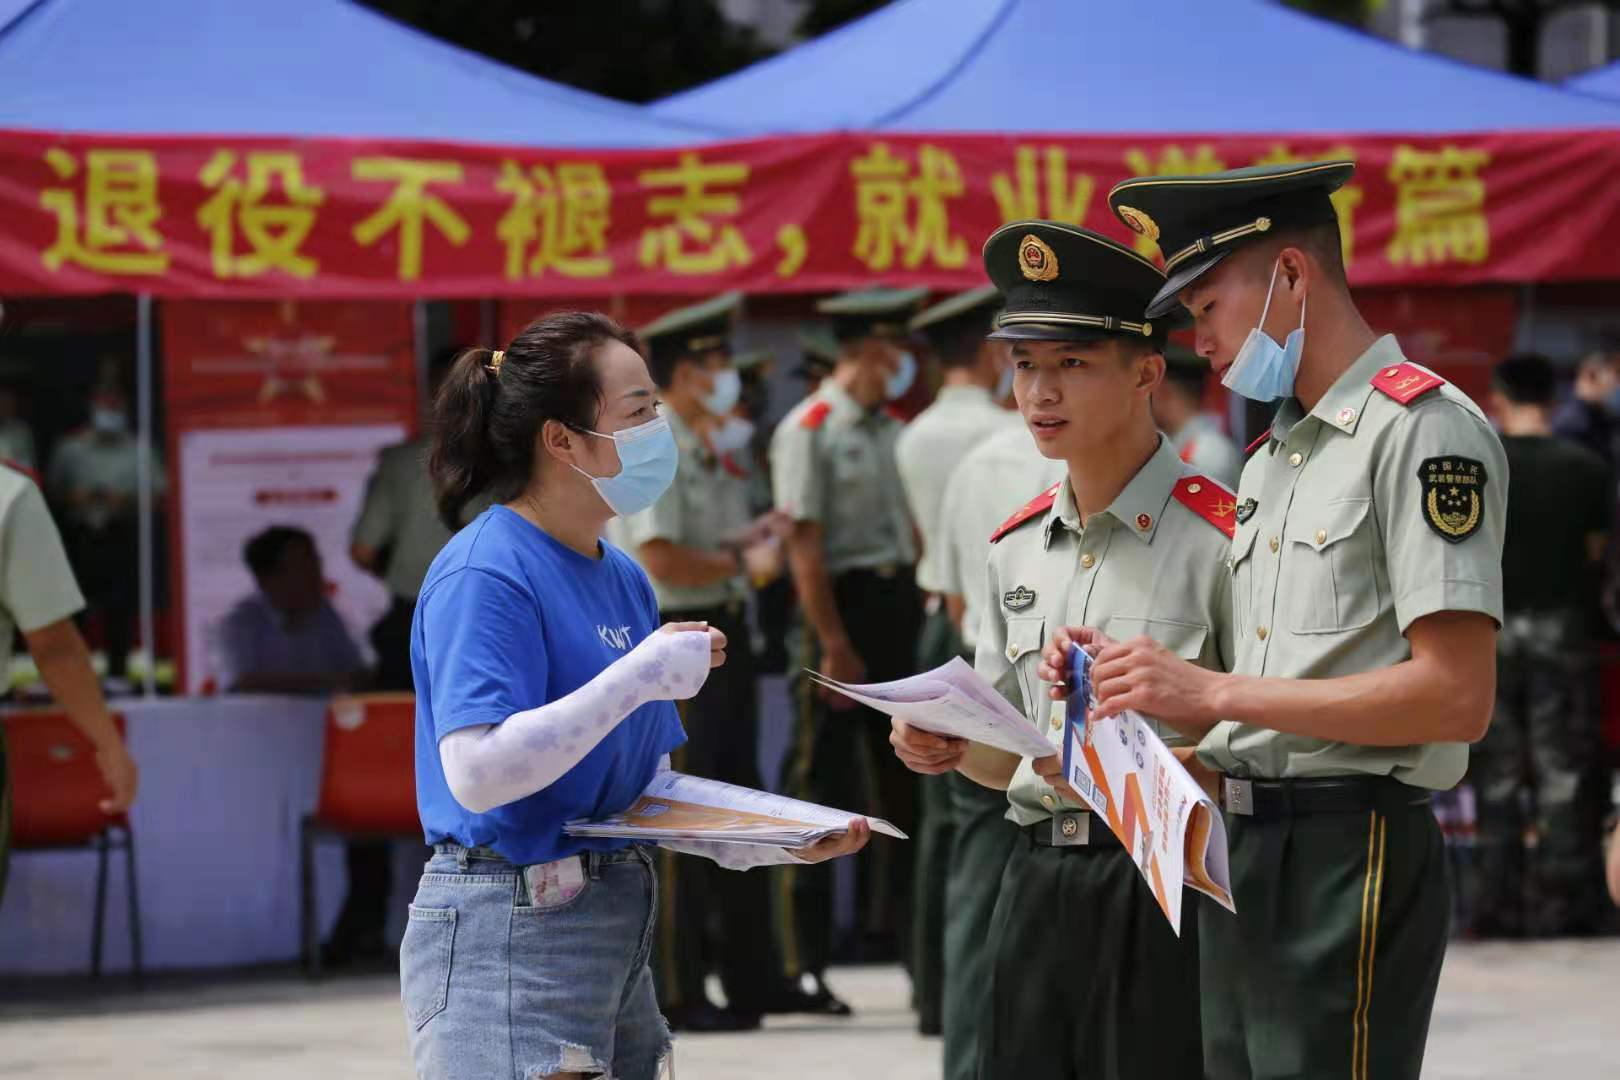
(1209,500)
(17,466)
(1405,382)
(893,412)
(1252,447)
(815,415)
(1187,452)
(1040,504)
(729,464)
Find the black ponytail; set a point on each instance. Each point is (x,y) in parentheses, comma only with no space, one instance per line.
(487,413)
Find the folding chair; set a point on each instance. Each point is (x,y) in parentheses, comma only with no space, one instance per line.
(55,789)
(368,790)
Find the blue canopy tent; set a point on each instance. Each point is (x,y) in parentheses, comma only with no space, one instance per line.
(1229,67)
(1603,82)
(297,69)
(303,68)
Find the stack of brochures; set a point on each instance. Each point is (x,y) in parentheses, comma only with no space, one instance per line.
(680,807)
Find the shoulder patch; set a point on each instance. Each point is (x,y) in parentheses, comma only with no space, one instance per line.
(1038,505)
(17,466)
(1405,382)
(1209,500)
(893,412)
(815,415)
(1258,443)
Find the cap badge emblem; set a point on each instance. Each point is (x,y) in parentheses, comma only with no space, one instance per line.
(1138,222)
(1036,259)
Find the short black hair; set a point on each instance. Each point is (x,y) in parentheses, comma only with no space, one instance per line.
(1526,379)
(263,552)
(955,342)
(1323,242)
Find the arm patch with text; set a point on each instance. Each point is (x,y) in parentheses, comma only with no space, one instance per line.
(1452,496)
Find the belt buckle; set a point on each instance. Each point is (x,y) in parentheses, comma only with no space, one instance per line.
(1071,828)
(1237,796)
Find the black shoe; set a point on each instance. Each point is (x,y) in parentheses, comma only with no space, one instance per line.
(813,998)
(707,1017)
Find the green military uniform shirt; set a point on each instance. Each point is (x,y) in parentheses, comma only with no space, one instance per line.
(706,504)
(928,452)
(1354,521)
(989,485)
(1202,444)
(832,462)
(1149,564)
(399,513)
(36,583)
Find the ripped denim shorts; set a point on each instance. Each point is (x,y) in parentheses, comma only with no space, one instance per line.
(525,972)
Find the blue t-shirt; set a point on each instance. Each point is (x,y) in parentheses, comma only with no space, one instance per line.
(509,619)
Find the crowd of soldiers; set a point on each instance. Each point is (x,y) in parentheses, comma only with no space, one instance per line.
(1318,643)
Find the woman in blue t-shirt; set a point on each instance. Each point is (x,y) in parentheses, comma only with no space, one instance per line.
(545,694)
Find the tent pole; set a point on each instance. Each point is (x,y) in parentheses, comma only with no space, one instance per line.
(144,484)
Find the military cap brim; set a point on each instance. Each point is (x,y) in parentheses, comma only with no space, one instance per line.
(1065,283)
(1198,220)
(984,297)
(695,329)
(878,311)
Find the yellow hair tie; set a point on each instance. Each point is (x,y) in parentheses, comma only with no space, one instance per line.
(495,361)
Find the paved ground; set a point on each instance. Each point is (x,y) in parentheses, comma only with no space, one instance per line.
(1506,1011)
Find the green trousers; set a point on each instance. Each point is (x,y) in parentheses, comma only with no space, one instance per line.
(934,839)
(1089,981)
(710,919)
(979,850)
(842,758)
(1329,968)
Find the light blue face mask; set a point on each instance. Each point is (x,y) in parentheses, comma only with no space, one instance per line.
(1264,370)
(903,377)
(647,460)
(727,389)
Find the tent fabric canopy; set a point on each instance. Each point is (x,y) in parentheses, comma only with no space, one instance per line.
(1166,67)
(299,68)
(1603,82)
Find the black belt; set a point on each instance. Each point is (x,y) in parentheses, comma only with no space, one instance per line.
(1272,800)
(1067,828)
(883,572)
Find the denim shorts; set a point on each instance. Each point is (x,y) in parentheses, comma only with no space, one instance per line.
(513,974)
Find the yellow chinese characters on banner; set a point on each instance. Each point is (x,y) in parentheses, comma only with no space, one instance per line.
(902,209)
(1041,186)
(409,206)
(558,220)
(107,212)
(243,209)
(1439,206)
(690,240)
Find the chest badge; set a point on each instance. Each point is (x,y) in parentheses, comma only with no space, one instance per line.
(1019,599)
(1246,510)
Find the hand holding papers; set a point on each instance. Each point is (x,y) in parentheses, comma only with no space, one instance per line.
(1131,780)
(952,700)
(680,807)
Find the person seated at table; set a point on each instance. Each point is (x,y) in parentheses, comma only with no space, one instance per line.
(286,638)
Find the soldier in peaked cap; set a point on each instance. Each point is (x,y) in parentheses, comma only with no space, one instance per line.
(963,414)
(700,545)
(1367,591)
(1083,962)
(852,554)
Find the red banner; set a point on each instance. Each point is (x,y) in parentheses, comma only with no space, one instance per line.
(271,218)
